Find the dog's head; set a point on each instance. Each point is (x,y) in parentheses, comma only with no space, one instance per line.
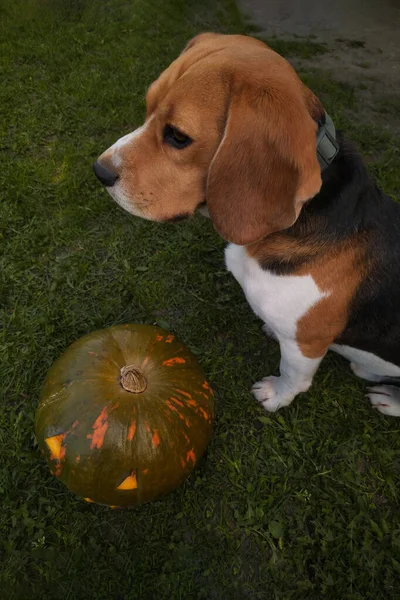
(228,123)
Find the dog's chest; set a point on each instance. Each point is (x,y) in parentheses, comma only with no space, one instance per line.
(279,300)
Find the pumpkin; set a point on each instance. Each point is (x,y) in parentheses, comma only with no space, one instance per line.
(124,415)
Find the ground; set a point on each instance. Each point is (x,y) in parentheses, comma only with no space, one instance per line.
(299,504)
(361,42)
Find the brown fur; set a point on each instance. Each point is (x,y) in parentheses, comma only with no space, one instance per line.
(339,273)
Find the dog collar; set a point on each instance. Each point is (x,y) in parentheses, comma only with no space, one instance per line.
(327,146)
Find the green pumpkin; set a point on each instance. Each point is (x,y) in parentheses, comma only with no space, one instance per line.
(124,415)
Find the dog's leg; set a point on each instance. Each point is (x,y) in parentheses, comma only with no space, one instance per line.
(296,375)
(363,373)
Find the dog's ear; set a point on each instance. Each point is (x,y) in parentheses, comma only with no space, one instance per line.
(266,165)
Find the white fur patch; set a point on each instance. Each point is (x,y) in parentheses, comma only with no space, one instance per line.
(279,300)
(129,137)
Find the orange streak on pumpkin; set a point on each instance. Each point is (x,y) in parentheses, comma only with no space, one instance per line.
(206,386)
(169,339)
(88,500)
(186,438)
(78,458)
(146,360)
(145,471)
(99,427)
(147,426)
(74,424)
(188,423)
(155,440)
(174,361)
(183,462)
(203,412)
(129,483)
(178,402)
(131,431)
(113,506)
(191,402)
(159,338)
(171,406)
(191,456)
(185,394)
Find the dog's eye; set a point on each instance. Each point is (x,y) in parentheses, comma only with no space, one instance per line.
(175,138)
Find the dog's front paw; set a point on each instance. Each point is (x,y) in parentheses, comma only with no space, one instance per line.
(269,393)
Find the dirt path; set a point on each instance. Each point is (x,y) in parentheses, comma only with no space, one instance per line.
(362,36)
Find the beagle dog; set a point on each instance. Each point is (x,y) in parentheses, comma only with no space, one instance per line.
(313,242)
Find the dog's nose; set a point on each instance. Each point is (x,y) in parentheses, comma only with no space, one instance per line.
(107,178)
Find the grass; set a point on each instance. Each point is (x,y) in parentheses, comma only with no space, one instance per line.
(300,504)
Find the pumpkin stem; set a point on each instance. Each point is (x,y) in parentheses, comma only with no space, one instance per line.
(133,380)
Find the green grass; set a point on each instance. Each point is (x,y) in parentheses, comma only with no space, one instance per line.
(300,504)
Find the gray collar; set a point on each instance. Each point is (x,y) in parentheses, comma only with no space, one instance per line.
(327,146)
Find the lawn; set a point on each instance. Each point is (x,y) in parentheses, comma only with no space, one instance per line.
(299,504)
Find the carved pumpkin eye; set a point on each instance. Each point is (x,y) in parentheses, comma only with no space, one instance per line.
(175,138)
(129,483)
